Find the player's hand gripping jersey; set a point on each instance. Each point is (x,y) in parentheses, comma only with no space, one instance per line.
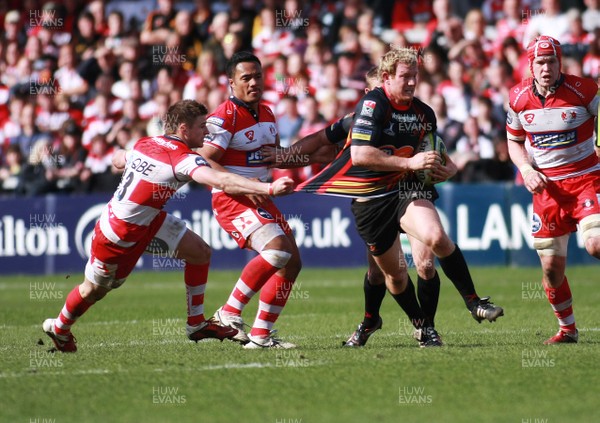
(376,123)
(156,168)
(558,134)
(240,133)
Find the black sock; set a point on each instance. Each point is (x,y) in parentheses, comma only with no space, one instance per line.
(408,301)
(374,295)
(455,267)
(428,292)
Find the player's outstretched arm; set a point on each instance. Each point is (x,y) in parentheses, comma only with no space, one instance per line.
(300,154)
(237,185)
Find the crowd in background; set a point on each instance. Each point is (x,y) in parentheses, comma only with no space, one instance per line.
(79,80)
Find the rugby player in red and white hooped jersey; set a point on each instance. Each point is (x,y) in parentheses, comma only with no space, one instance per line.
(238,129)
(550,129)
(133,222)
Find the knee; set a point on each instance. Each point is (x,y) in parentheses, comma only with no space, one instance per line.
(200,253)
(91,292)
(294,265)
(592,246)
(376,276)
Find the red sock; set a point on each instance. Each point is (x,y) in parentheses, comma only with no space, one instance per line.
(195,277)
(273,297)
(74,307)
(561,301)
(255,274)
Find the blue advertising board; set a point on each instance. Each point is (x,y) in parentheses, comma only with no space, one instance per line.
(490,222)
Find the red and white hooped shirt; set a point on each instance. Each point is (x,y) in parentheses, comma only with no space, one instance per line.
(156,168)
(241,133)
(558,134)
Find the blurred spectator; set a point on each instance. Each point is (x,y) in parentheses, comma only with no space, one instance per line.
(159,24)
(29,133)
(98,124)
(497,168)
(98,174)
(70,159)
(591,15)
(241,20)
(549,20)
(456,92)
(35,177)
(271,40)
(512,23)
(591,61)
(10,171)
(10,127)
(577,40)
(474,30)
(118,40)
(472,146)
(97,9)
(13,29)
(9,64)
(202,17)
(206,75)
(103,86)
(86,39)
(69,81)
(218,29)
(482,109)
(154,111)
(448,129)
(289,122)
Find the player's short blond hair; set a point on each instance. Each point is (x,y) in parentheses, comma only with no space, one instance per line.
(405,55)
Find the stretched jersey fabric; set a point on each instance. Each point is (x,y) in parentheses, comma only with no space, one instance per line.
(238,131)
(378,124)
(156,168)
(558,131)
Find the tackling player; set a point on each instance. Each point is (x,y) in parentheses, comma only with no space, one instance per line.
(550,129)
(133,222)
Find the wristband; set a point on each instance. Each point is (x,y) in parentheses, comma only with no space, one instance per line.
(270,188)
(526,169)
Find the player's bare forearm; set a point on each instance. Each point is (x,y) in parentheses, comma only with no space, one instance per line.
(375,159)
(238,185)
(301,153)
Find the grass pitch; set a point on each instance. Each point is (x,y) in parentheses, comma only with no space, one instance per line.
(134,363)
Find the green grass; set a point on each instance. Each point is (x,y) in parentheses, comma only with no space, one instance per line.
(126,371)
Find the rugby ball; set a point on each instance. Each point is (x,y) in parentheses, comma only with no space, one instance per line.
(430,142)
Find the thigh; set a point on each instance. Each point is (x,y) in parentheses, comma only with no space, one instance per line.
(421,220)
(392,263)
(240,218)
(377,222)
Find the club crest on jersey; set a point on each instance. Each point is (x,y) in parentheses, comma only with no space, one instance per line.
(529,117)
(568,116)
(249,135)
(367,108)
(536,223)
(272,129)
(264,214)
(588,203)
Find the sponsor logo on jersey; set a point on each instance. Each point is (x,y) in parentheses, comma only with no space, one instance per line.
(215,120)
(404,118)
(363,122)
(551,140)
(536,223)
(588,203)
(164,143)
(249,135)
(529,117)
(264,214)
(273,130)
(361,134)
(568,116)
(201,162)
(254,158)
(367,108)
